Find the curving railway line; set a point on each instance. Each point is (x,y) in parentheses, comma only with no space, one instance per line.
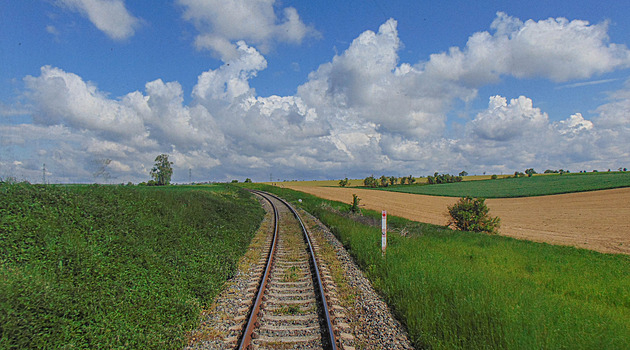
(290,309)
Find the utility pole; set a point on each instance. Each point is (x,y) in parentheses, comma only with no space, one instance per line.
(44,174)
(190,175)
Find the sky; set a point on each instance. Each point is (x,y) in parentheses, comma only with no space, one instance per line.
(93,90)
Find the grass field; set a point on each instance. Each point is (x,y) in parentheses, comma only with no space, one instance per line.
(459,290)
(113,267)
(540,185)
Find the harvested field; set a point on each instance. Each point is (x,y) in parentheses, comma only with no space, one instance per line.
(595,220)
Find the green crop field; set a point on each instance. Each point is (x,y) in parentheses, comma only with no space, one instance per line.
(115,267)
(461,290)
(538,185)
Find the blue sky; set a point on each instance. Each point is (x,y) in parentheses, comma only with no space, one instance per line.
(311,90)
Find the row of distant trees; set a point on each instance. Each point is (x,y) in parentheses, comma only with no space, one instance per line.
(383,181)
(438,178)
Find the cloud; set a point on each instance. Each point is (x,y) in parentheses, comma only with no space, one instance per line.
(574,125)
(64,98)
(52,30)
(366,87)
(557,49)
(362,112)
(586,83)
(221,23)
(515,135)
(504,121)
(109,16)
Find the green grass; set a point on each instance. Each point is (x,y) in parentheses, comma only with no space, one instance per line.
(115,267)
(461,290)
(539,185)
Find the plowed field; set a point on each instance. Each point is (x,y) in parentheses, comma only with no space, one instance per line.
(598,220)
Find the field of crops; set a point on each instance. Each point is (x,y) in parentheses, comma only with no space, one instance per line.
(539,185)
(115,267)
(459,290)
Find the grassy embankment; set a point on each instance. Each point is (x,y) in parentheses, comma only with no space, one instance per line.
(537,185)
(460,290)
(112,267)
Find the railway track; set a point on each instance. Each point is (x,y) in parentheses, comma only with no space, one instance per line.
(290,309)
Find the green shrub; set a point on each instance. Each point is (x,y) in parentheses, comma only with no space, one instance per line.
(355,204)
(471,214)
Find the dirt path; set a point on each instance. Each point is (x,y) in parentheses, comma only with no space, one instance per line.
(598,220)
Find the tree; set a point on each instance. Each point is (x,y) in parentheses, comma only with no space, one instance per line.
(344,182)
(370,181)
(162,170)
(530,172)
(394,179)
(463,173)
(384,181)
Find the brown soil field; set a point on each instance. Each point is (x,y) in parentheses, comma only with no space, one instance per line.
(598,220)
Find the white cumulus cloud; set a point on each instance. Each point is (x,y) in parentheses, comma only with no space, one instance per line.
(555,48)
(221,23)
(109,16)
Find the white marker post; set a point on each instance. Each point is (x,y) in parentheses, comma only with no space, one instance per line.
(384,232)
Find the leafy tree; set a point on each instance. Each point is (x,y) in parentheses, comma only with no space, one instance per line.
(248,180)
(393,180)
(463,173)
(370,181)
(344,182)
(403,180)
(530,172)
(471,214)
(162,170)
(384,181)
(410,179)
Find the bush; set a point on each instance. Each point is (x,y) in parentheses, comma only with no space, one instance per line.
(355,204)
(493,177)
(471,214)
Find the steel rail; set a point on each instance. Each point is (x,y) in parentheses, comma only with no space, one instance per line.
(329,327)
(253,316)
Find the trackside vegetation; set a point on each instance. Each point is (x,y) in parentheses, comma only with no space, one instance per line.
(115,267)
(464,290)
(539,185)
